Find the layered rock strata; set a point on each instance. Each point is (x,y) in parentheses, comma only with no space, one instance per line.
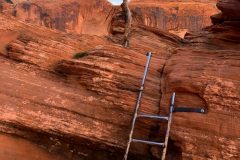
(93,17)
(175,16)
(76,108)
(70,96)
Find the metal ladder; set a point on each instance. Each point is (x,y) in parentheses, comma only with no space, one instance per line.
(158,117)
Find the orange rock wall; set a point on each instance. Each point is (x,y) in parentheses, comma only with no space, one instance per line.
(67,108)
(93,17)
(174,15)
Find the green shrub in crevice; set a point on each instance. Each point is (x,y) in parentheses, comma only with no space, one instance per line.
(80,55)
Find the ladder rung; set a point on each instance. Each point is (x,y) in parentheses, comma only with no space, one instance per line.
(153,116)
(148,142)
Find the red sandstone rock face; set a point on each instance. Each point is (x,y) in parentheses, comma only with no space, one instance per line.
(93,17)
(21,149)
(6,6)
(83,17)
(230,9)
(174,15)
(67,108)
(210,79)
(78,108)
(206,74)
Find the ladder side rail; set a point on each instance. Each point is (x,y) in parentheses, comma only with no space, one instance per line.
(168,127)
(149,54)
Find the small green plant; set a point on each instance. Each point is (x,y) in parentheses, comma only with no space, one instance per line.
(9,1)
(80,55)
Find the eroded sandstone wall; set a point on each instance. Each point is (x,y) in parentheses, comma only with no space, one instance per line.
(94,16)
(207,74)
(76,108)
(174,15)
(82,17)
(70,108)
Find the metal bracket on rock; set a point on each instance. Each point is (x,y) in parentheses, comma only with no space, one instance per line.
(186,109)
